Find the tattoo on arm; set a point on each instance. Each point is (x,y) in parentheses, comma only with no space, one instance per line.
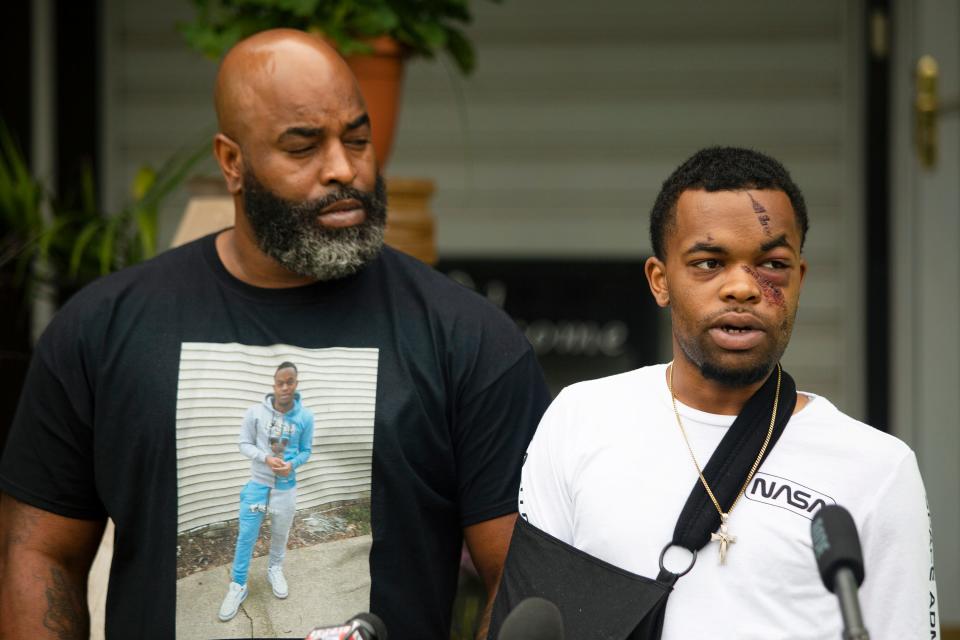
(66,614)
(44,561)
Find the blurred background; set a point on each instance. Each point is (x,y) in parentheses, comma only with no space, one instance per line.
(530,177)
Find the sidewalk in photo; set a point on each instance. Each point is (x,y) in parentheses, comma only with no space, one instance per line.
(328,583)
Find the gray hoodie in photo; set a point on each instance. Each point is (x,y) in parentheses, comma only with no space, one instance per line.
(268,432)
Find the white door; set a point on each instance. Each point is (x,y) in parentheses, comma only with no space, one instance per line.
(926,282)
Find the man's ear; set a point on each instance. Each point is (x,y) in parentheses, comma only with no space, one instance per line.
(230,158)
(656,273)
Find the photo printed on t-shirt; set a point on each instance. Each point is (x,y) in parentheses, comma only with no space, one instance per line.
(274,467)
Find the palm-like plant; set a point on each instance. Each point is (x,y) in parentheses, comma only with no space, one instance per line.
(80,241)
(86,243)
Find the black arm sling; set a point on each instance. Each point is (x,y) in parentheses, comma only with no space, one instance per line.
(600,600)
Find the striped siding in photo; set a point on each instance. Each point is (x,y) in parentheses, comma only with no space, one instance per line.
(219,382)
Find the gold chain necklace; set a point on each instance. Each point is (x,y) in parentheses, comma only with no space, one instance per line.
(723,536)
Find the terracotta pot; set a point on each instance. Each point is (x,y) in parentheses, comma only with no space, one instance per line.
(380,75)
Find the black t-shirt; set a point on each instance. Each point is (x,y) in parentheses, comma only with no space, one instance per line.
(424,398)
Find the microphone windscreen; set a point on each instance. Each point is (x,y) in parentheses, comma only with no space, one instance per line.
(533,619)
(836,544)
(376,625)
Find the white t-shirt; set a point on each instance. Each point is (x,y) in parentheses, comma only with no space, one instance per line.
(608,472)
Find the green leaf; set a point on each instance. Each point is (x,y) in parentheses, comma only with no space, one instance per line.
(458,10)
(107,242)
(50,235)
(302,8)
(375,22)
(205,38)
(432,36)
(172,173)
(236,32)
(461,50)
(348,46)
(213,37)
(146,232)
(80,245)
(21,197)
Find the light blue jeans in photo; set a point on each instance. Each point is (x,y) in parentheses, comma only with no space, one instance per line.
(256,500)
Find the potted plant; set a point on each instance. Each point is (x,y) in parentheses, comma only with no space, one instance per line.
(85,242)
(375,36)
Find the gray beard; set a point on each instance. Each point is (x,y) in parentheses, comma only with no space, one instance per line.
(288,231)
(330,257)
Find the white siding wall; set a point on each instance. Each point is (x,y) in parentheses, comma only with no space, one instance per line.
(578,111)
(219,382)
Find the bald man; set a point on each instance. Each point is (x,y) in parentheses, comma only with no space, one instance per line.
(101,428)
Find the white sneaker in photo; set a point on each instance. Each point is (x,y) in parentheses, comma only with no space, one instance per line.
(277,581)
(236,594)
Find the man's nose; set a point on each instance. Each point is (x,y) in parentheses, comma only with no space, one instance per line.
(741,285)
(338,167)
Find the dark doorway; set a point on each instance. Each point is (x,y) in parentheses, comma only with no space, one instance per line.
(877,213)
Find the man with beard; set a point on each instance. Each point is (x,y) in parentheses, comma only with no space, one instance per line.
(458,389)
(625,468)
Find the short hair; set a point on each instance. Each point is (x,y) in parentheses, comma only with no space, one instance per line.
(286,365)
(722,169)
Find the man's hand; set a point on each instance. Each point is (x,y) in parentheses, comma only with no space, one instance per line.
(488,542)
(278,466)
(44,562)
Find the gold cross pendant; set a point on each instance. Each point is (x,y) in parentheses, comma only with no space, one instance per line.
(723,537)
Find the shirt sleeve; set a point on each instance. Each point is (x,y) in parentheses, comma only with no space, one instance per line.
(248,437)
(492,428)
(48,461)
(899,592)
(306,443)
(545,500)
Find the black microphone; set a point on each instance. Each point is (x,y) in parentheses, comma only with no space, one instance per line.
(836,546)
(363,626)
(533,619)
